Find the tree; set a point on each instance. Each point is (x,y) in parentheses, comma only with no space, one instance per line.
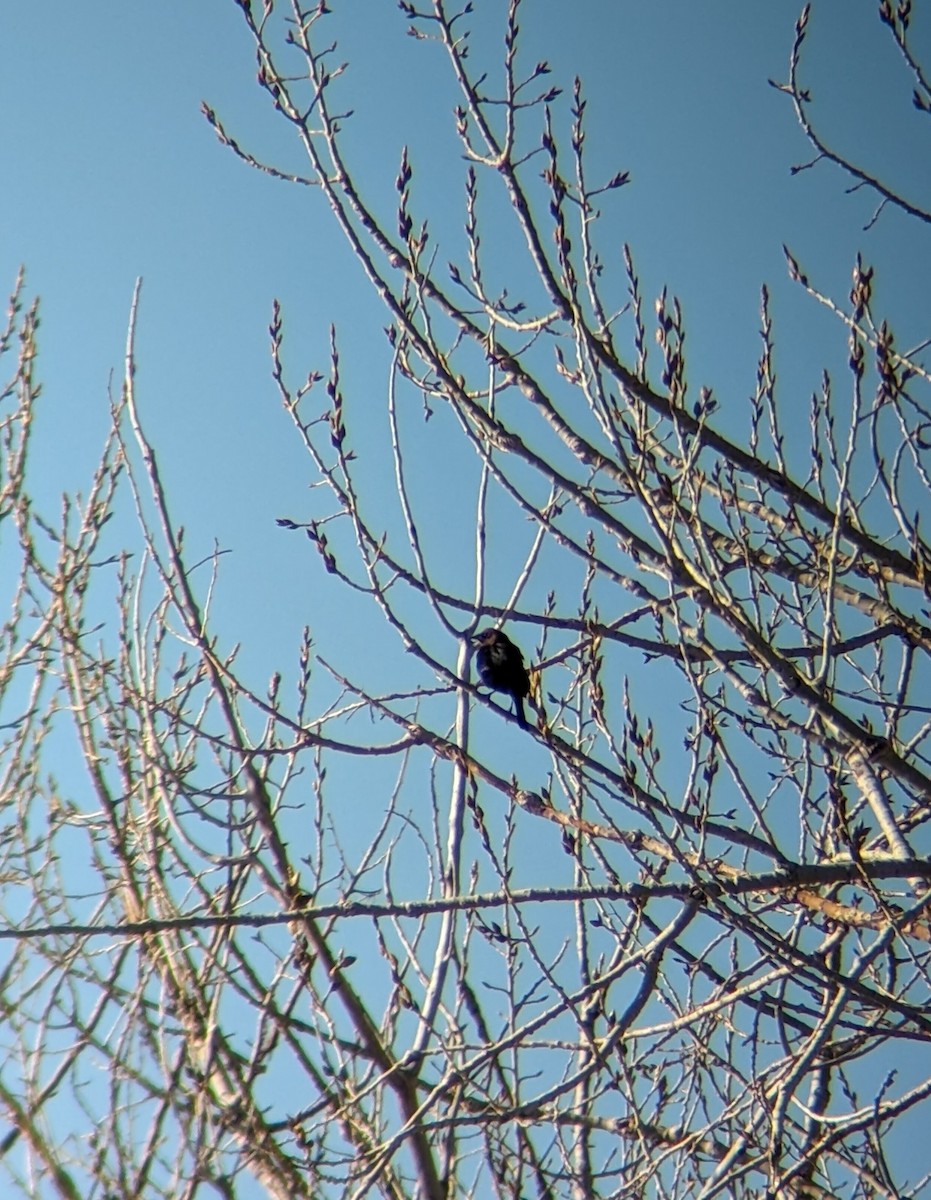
(673,941)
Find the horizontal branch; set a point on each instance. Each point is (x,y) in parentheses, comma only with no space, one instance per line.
(788,881)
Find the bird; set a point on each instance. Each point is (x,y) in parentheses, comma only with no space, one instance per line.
(500,666)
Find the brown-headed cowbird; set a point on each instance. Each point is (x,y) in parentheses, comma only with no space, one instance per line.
(500,666)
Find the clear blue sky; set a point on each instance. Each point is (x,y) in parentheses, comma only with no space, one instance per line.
(110,172)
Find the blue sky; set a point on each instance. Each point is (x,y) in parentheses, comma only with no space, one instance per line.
(111,172)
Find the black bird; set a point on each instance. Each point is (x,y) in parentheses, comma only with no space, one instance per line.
(500,666)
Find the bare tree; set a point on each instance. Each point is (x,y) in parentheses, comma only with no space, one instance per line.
(671,941)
